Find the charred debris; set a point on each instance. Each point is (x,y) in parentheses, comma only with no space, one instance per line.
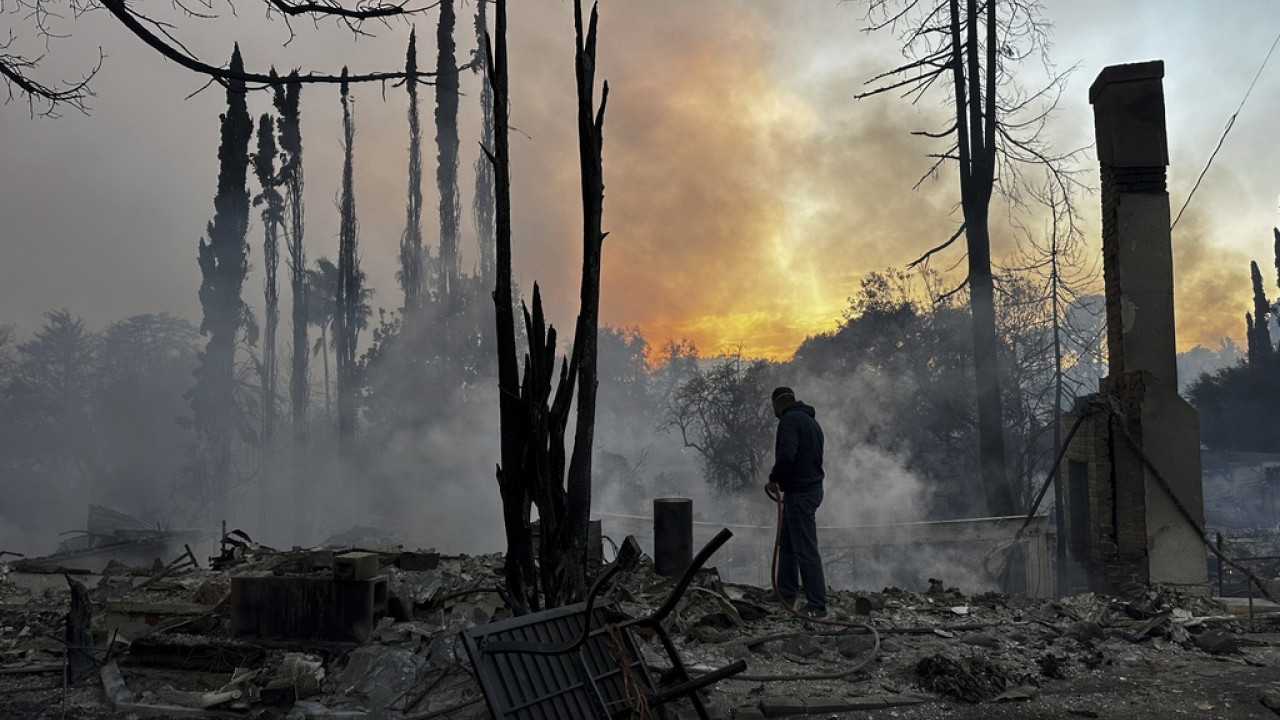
(363,627)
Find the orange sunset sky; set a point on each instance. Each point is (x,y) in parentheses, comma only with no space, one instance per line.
(747,192)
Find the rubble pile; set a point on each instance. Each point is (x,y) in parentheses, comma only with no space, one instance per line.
(183,641)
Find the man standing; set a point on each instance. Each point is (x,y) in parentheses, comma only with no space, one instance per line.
(797,473)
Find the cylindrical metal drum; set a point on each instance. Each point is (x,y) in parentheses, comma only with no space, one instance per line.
(672,535)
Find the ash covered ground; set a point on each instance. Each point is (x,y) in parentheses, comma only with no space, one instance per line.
(163,646)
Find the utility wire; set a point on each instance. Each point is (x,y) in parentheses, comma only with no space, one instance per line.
(1230,122)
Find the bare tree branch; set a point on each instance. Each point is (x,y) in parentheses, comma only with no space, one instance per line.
(954,236)
(364,10)
(14,69)
(132,21)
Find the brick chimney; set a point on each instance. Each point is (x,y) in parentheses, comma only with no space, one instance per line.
(1134,502)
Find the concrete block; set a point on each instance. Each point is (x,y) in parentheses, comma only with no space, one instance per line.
(307,607)
(355,565)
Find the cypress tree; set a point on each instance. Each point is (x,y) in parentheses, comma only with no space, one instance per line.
(411,260)
(287,99)
(223,258)
(482,203)
(447,156)
(347,302)
(1258,337)
(1276,233)
(264,166)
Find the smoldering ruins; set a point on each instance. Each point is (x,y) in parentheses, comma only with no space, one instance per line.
(980,615)
(619,561)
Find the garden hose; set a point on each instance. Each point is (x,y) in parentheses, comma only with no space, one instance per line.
(773,577)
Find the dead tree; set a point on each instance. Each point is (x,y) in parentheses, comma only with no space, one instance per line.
(287,103)
(19,71)
(966,44)
(264,165)
(535,467)
(590,145)
(516,490)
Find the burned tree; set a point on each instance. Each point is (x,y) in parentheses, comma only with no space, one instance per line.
(223,265)
(411,260)
(348,296)
(968,45)
(20,70)
(272,202)
(515,487)
(447,159)
(533,469)
(448,290)
(586,335)
(482,202)
(287,100)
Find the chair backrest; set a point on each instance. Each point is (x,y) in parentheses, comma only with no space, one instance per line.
(588,682)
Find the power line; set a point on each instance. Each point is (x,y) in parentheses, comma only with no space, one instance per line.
(1230,122)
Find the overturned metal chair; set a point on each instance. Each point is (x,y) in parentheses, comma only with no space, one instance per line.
(583,661)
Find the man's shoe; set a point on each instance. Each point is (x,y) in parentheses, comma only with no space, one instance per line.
(814,613)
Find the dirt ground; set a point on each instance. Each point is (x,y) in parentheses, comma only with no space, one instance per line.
(942,653)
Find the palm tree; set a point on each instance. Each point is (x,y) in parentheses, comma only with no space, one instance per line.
(322,311)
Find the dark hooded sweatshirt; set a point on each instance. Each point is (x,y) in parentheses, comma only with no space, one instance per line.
(798,450)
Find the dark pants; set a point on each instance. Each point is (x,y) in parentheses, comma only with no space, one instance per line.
(798,559)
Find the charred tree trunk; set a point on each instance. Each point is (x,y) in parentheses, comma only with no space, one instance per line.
(519,570)
(536,426)
(976,148)
(590,143)
(544,452)
(79,636)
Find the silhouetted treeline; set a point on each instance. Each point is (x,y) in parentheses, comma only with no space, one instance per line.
(1237,404)
(95,417)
